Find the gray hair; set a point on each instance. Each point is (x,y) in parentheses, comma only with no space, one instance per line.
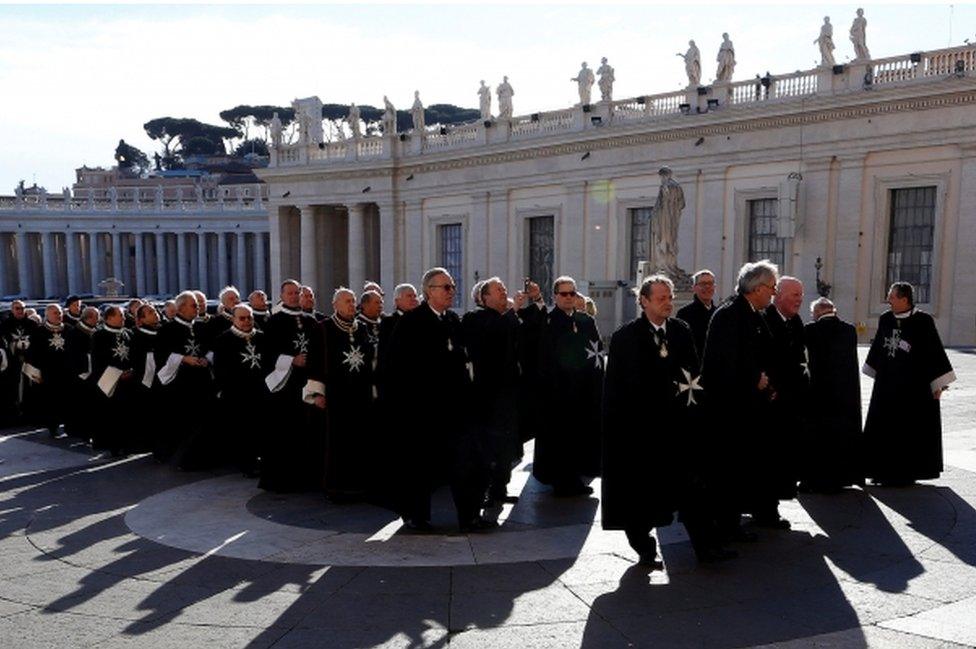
(787,278)
(476,291)
(562,279)
(241,305)
(429,276)
(258,292)
(485,286)
(699,273)
(369,296)
(753,274)
(230,288)
(403,288)
(647,286)
(184,297)
(341,290)
(821,306)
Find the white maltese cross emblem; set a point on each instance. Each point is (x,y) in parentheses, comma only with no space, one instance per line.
(689,385)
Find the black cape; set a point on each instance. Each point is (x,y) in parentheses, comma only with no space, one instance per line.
(903,431)
(697,315)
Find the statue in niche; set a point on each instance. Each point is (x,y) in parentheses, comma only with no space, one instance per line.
(859,37)
(664,224)
(484,98)
(389,117)
(584,81)
(113,197)
(276,130)
(826,43)
(606,80)
(692,64)
(726,60)
(158,197)
(353,120)
(417,113)
(505,93)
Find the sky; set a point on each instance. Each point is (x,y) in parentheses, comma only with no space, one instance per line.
(77,78)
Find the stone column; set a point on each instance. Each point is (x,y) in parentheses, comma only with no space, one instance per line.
(478,242)
(357,247)
(117,256)
(240,266)
(140,263)
(23,264)
(308,245)
(260,274)
(73,259)
(182,261)
(162,267)
(202,261)
(223,272)
(570,235)
(95,260)
(414,244)
(4,284)
(388,229)
(50,265)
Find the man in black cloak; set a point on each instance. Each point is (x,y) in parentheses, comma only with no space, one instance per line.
(652,430)
(903,431)
(258,301)
(292,452)
(147,388)
(429,373)
(736,375)
(532,313)
(698,313)
(567,443)
(790,374)
(491,338)
(229,297)
(241,362)
(351,468)
(113,387)
(832,452)
(15,332)
(187,386)
(49,364)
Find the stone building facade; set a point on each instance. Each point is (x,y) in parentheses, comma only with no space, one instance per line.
(868,166)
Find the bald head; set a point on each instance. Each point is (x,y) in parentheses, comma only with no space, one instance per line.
(789,296)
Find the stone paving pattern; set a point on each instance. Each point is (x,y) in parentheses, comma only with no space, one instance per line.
(874,567)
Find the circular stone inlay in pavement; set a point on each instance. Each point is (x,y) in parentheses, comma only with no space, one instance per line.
(231,517)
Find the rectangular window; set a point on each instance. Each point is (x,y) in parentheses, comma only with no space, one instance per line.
(451,239)
(640,237)
(542,252)
(763,242)
(910,238)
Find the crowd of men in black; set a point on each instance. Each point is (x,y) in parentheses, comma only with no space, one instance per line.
(715,413)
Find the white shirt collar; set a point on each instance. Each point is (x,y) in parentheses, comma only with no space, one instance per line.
(902,316)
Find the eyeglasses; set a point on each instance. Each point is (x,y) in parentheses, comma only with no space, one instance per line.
(450,288)
(566,293)
(771,287)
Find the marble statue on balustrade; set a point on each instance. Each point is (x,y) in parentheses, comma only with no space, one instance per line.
(158,197)
(859,37)
(42,197)
(276,130)
(179,198)
(692,64)
(90,201)
(113,197)
(505,93)
(353,120)
(308,114)
(484,99)
(665,219)
(826,43)
(19,193)
(66,197)
(239,196)
(389,117)
(198,190)
(584,80)
(606,80)
(726,61)
(417,114)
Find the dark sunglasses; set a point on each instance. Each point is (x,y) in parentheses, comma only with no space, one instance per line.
(566,293)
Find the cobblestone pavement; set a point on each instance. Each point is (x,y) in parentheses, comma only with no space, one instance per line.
(102,553)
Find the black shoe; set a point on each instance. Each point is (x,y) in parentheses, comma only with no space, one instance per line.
(771,523)
(477,524)
(742,536)
(716,555)
(418,526)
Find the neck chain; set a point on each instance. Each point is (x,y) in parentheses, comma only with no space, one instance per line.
(348,326)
